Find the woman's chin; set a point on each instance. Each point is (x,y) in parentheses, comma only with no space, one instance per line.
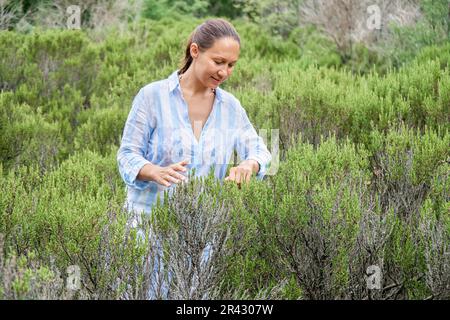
(212,87)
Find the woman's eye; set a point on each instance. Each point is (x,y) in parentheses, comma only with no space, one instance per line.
(217,62)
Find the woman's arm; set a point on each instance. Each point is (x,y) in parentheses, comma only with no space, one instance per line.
(250,147)
(133,147)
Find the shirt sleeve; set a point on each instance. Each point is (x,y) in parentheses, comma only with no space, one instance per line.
(134,144)
(250,146)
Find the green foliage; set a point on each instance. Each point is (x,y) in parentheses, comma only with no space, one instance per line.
(436,12)
(73,216)
(363,176)
(431,29)
(158,9)
(24,278)
(26,137)
(103,129)
(275,17)
(315,47)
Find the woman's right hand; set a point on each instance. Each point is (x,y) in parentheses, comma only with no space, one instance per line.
(168,175)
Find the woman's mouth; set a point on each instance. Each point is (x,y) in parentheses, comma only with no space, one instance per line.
(215,80)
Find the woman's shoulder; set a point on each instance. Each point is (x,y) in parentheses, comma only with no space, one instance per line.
(153,87)
(159,86)
(150,93)
(230,100)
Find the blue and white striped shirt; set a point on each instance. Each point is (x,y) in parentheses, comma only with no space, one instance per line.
(158,131)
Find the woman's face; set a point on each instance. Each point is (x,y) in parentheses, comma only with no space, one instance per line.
(214,65)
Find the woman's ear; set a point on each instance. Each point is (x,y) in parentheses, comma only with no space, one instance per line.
(194,50)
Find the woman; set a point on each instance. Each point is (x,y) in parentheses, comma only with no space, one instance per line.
(186,121)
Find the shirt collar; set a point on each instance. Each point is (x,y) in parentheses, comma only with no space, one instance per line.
(174,82)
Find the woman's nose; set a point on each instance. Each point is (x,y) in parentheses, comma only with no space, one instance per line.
(222,73)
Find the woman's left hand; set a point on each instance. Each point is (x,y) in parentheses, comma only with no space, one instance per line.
(243,172)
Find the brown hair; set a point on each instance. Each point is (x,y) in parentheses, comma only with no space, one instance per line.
(205,35)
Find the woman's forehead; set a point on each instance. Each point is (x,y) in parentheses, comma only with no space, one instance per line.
(226,48)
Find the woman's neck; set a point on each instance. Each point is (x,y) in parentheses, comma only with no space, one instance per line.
(191,86)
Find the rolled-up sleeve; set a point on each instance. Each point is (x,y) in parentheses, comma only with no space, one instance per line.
(250,146)
(134,143)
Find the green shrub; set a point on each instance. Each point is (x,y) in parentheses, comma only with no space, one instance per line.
(102,129)
(27,138)
(363,175)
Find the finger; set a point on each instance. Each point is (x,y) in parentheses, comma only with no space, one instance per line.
(247,177)
(232,174)
(238,176)
(175,174)
(184,162)
(178,167)
(163,182)
(170,178)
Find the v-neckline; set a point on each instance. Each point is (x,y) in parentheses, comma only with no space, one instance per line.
(197,142)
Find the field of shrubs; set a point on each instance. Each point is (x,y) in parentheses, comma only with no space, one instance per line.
(362,175)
